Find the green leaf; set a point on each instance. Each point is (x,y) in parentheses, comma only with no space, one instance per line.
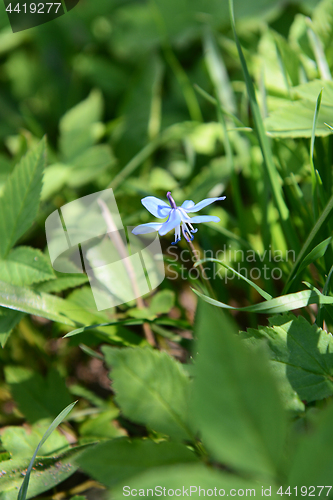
(262,292)
(305,350)
(37,397)
(295,119)
(20,197)
(47,472)
(118,460)
(162,302)
(102,426)
(316,253)
(8,320)
(185,480)
(89,165)
(24,266)
(61,283)
(279,304)
(68,312)
(235,401)
(313,460)
(22,443)
(151,389)
(80,127)
(326,213)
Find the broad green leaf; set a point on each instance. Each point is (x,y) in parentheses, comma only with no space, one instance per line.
(151,389)
(185,480)
(37,397)
(322,22)
(235,402)
(162,302)
(80,127)
(289,397)
(83,298)
(62,282)
(118,460)
(67,312)
(101,426)
(20,198)
(305,350)
(284,303)
(87,167)
(8,320)
(24,266)
(22,443)
(295,119)
(313,461)
(46,473)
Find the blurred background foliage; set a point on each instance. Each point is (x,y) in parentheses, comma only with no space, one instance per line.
(125,92)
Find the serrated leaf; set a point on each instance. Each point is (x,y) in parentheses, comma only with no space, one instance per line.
(20,197)
(120,459)
(307,352)
(235,402)
(24,266)
(37,397)
(151,388)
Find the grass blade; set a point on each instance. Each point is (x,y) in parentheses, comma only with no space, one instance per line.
(281,304)
(313,171)
(273,176)
(309,241)
(262,292)
(24,488)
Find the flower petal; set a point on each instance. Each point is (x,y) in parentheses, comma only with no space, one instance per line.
(150,227)
(155,206)
(187,204)
(202,204)
(174,220)
(204,218)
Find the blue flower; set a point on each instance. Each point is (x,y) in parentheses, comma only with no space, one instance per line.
(177,217)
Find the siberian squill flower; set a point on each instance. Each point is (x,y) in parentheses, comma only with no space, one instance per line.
(177,217)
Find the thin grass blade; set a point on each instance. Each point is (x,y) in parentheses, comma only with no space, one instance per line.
(24,488)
